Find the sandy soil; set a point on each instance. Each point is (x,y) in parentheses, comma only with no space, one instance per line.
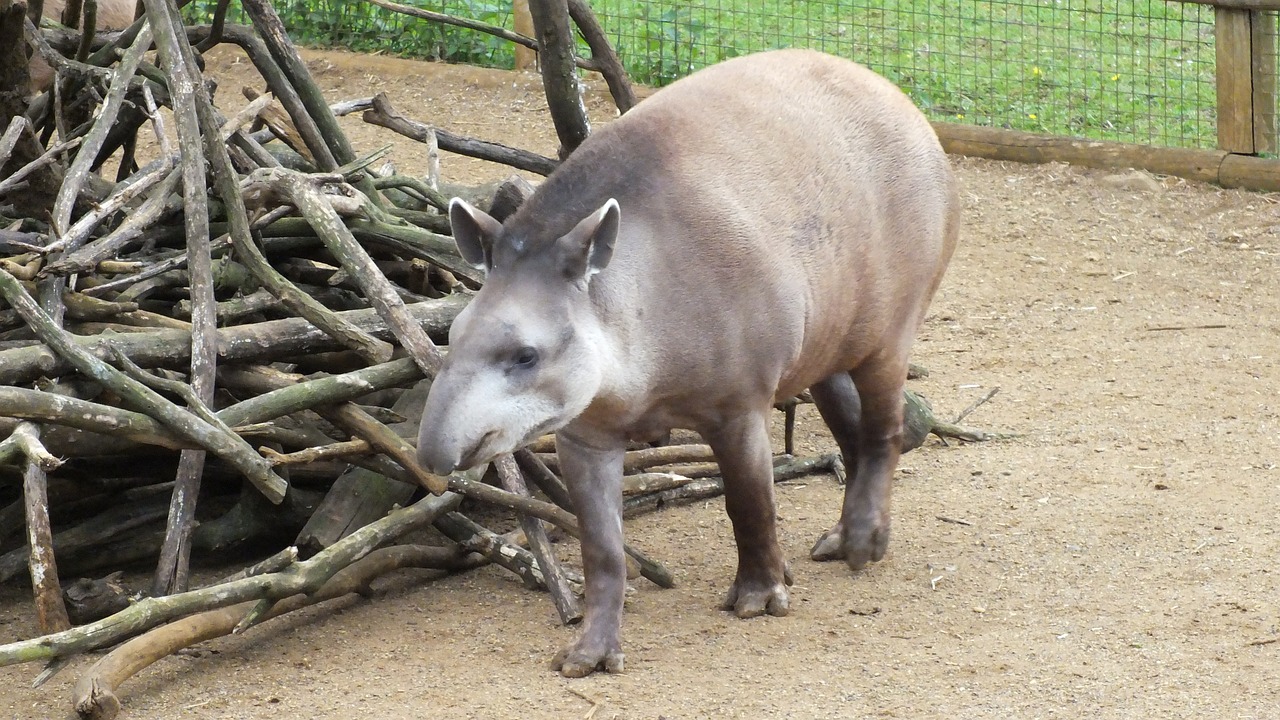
(1118,559)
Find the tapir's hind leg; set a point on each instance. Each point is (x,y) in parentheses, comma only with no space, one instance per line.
(742,448)
(838,404)
(863,409)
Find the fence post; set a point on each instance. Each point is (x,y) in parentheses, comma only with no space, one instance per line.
(1263,26)
(525,57)
(1245,42)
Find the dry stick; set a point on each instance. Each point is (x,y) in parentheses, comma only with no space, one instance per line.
(78,173)
(361,424)
(976,404)
(381,112)
(670,454)
(227,446)
(283,89)
(1187,327)
(692,470)
(701,489)
(160,267)
(15,180)
(307,197)
(476,25)
(297,396)
(544,478)
(160,203)
(247,251)
(11,136)
(415,242)
(274,563)
(314,454)
(156,173)
(303,577)
(649,568)
(26,440)
(277,121)
(51,408)
(179,63)
(94,694)
(216,27)
(467,23)
(172,203)
(635,460)
(561,593)
(92,533)
(50,609)
(259,342)
(603,55)
(271,29)
(559,78)
(494,547)
(644,483)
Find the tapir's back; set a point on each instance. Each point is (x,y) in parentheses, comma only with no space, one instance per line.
(794,204)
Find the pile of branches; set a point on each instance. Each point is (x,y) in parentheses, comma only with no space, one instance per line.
(228,346)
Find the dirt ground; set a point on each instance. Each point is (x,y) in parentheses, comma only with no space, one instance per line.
(1118,559)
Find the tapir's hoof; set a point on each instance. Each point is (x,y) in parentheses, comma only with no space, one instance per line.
(857,547)
(577,660)
(749,602)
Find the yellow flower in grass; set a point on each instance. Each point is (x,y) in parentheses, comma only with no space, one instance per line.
(1031,115)
(1036,71)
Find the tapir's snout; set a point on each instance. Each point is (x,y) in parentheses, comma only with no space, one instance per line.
(441,455)
(452,436)
(440,448)
(433,453)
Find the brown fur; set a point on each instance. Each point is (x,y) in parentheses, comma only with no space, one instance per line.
(112,15)
(785,219)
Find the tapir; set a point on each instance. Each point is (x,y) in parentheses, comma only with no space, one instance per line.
(775,222)
(112,15)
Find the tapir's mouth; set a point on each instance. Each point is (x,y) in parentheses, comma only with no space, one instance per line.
(488,447)
(481,453)
(539,430)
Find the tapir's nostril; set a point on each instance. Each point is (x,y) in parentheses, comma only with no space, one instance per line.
(435,459)
(443,469)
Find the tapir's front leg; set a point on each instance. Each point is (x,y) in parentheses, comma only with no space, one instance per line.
(594,477)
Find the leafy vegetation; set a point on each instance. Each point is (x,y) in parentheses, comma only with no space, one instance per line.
(1130,70)
(362,27)
(1114,69)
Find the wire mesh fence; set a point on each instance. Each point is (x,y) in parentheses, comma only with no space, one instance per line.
(363,27)
(1131,71)
(1126,70)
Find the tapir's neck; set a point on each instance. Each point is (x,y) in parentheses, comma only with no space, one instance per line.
(611,326)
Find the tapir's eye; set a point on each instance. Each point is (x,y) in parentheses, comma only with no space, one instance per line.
(525,357)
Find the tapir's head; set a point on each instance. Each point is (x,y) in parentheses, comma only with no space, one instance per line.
(525,355)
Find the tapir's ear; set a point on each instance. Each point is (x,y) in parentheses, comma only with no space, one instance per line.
(474,232)
(587,249)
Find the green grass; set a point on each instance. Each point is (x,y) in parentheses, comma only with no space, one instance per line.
(366,28)
(1118,70)
(1108,69)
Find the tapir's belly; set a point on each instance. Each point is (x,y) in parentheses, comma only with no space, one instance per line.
(725,346)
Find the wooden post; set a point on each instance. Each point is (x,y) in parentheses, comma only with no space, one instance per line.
(526,58)
(1245,43)
(1263,27)
(1233,41)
